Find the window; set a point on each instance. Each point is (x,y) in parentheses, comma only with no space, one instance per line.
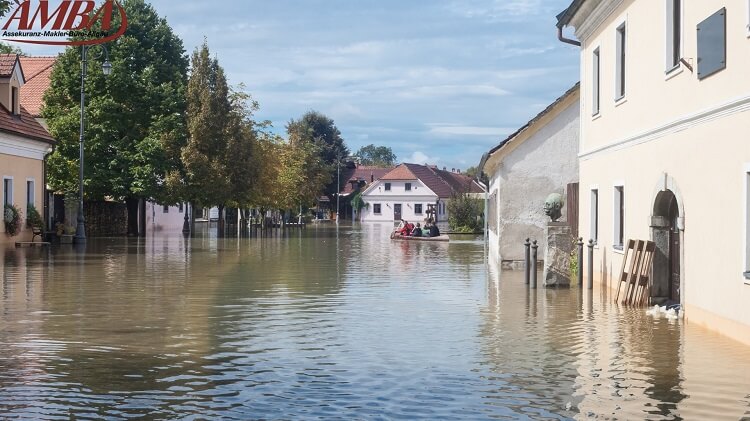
(712,44)
(619,220)
(376,208)
(408,186)
(30,194)
(620,75)
(181,207)
(14,101)
(418,209)
(387,186)
(166,209)
(8,190)
(595,215)
(596,80)
(674,33)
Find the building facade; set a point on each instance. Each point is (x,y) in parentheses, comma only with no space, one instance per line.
(410,190)
(664,154)
(539,159)
(24,144)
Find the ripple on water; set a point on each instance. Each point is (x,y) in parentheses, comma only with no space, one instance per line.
(315,325)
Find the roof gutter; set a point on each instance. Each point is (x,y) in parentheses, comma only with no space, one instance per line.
(562,38)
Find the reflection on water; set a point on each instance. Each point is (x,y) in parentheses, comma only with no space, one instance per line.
(331,323)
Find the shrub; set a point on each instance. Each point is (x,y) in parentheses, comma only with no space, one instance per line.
(12,219)
(465,213)
(34,219)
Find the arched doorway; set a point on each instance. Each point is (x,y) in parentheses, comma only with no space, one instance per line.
(666,233)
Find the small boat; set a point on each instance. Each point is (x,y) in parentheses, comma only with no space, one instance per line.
(442,238)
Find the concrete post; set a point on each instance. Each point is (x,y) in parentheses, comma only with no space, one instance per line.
(591,265)
(534,260)
(580,262)
(527,266)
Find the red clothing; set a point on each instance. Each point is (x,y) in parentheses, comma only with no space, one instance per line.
(406,230)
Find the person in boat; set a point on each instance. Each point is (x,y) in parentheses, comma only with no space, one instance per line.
(434,230)
(407,229)
(417,232)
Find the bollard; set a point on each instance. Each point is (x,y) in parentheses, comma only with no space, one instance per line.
(580,263)
(528,259)
(591,265)
(534,259)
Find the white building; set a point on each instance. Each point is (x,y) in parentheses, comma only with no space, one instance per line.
(408,191)
(539,159)
(664,153)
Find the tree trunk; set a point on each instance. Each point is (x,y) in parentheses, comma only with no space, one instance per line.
(142,218)
(132,205)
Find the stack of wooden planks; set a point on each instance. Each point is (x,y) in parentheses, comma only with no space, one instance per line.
(638,260)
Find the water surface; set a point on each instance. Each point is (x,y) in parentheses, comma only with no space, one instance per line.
(336,324)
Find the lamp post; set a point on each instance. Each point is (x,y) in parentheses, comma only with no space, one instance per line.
(338,186)
(80,237)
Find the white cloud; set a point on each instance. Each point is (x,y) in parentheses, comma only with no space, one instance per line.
(419,157)
(456,130)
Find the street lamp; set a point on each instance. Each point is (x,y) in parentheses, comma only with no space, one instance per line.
(80,237)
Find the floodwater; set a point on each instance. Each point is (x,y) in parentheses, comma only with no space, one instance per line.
(336,324)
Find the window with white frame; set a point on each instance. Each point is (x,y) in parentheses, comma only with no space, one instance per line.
(166,209)
(8,190)
(30,186)
(619,217)
(407,186)
(620,70)
(418,209)
(376,208)
(595,82)
(387,186)
(674,33)
(595,215)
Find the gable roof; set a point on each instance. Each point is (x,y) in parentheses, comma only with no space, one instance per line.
(38,71)
(24,125)
(402,172)
(7,64)
(442,183)
(574,90)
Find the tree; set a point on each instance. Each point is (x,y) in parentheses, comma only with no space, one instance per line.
(465,213)
(379,156)
(208,121)
(316,128)
(134,118)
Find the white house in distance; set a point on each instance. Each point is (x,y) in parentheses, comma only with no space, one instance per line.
(407,191)
(665,154)
(539,159)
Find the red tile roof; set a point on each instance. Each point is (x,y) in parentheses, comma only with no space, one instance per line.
(38,71)
(7,63)
(402,172)
(442,183)
(23,125)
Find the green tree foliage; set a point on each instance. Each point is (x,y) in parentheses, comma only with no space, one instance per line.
(381,156)
(7,49)
(135,117)
(473,172)
(465,213)
(219,159)
(320,130)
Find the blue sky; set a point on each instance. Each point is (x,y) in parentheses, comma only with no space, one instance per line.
(439,81)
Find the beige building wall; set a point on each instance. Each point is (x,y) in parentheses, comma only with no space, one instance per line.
(22,170)
(671,131)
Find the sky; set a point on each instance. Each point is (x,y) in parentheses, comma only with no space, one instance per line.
(439,81)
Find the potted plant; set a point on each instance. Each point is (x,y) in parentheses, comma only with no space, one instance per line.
(12,220)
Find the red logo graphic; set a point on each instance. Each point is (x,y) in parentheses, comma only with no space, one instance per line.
(70,18)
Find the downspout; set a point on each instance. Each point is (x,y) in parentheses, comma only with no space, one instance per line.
(486,187)
(562,38)
(45,196)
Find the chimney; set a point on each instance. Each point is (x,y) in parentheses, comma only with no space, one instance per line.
(445,168)
(453,170)
(372,177)
(459,170)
